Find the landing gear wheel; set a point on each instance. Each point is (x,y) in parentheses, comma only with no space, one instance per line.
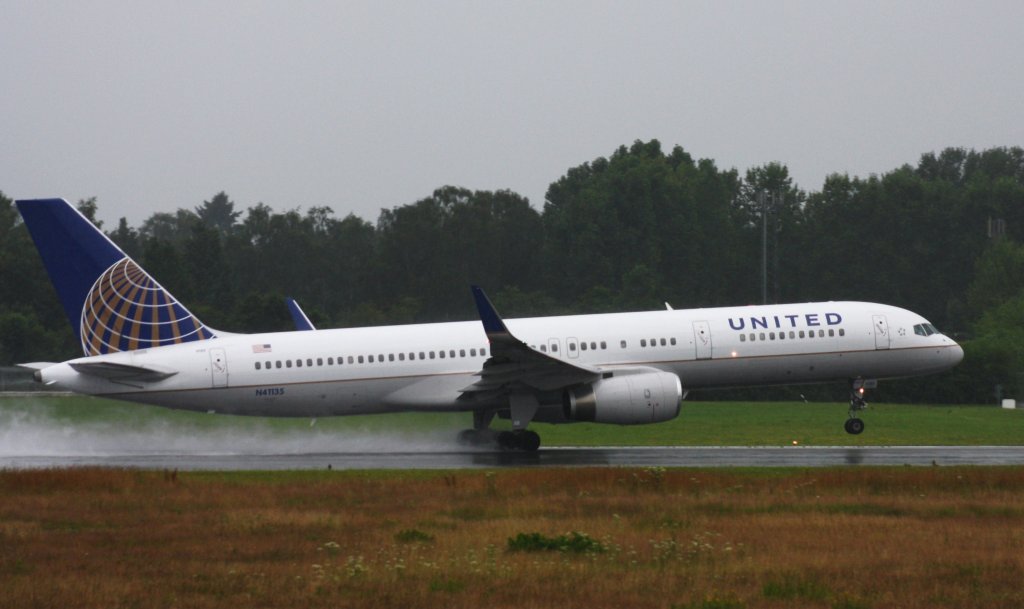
(858,387)
(521,439)
(529,441)
(507,440)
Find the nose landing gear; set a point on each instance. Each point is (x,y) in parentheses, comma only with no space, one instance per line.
(858,388)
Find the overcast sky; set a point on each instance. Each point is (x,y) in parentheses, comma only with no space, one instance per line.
(152,106)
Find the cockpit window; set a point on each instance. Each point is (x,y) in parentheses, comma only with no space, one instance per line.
(925,330)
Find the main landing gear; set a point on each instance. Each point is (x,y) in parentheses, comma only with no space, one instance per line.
(858,387)
(519,439)
(483,437)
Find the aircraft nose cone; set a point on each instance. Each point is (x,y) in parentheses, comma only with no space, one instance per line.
(956,354)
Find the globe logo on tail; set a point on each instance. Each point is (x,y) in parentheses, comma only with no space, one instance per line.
(127,310)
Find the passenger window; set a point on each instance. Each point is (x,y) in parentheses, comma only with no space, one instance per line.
(622,344)
(821,334)
(554,348)
(571,346)
(672,341)
(544,348)
(483,352)
(441,354)
(257,365)
(278,364)
(287,363)
(472,352)
(431,355)
(782,336)
(350,360)
(391,357)
(792,334)
(663,342)
(423,355)
(842,332)
(451,353)
(369,358)
(298,363)
(309,362)
(330,361)
(267,364)
(361,359)
(801,333)
(760,336)
(771,336)
(831,332)
(583,346)
(743,338)
(462,353)
(643,342)
(604,345)
(654,342)
(401,357)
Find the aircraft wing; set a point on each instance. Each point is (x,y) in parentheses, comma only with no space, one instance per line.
(514,367)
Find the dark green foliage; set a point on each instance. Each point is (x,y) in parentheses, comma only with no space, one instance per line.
(413,536)
(625,232)
(574,543)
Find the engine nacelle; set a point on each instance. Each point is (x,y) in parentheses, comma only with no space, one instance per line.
(628,398)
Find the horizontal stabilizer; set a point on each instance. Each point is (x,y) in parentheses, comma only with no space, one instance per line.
(36,365)
(123,372)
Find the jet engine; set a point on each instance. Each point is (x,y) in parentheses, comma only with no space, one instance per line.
(627,398)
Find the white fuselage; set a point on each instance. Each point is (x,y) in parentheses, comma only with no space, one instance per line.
(424,366)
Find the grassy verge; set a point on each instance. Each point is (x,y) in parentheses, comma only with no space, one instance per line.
(699,424)
(863,538)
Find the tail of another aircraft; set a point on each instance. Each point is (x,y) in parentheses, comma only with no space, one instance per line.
(111,302)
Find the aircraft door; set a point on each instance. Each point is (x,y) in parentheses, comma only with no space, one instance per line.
(882,337)
(218,368)
(702,339)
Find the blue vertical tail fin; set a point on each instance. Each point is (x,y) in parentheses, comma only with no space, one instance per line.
(111,302)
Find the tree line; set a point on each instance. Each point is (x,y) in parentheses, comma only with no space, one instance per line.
(630,231)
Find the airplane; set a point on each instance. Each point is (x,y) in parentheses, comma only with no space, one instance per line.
(142,345)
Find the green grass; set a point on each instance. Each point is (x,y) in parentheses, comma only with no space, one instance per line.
(699,423)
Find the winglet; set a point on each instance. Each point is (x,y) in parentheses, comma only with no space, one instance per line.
(493,325)
(299,316)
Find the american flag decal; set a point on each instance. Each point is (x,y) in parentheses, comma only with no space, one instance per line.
(261,348)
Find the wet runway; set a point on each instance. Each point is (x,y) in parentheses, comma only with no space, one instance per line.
(547,457)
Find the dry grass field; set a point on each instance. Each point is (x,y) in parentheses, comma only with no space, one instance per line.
(844,538)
